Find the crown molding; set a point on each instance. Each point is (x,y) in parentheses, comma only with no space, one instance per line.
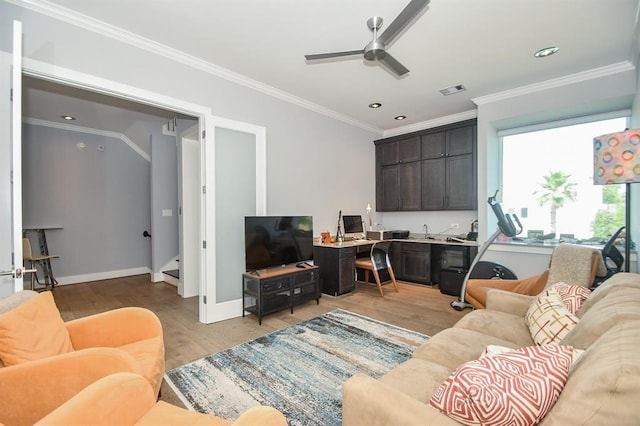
(423,125)
(556,82)
(87,130)
(69,16)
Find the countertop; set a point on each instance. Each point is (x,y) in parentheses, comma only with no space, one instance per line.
(441,240)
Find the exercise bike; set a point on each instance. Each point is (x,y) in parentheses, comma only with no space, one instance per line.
(507,227)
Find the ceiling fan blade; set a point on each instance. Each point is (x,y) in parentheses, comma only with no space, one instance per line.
(408,13)
(393,65)
(333,55)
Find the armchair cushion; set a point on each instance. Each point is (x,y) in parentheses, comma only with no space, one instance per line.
(33,330)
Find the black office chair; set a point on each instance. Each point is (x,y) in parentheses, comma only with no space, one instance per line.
(613,259)
(378,260)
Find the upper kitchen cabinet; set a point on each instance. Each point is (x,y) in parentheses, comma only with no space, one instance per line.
(434,169)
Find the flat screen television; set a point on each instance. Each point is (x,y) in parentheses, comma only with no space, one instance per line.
(277,240)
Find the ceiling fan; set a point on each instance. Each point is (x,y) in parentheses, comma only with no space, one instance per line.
(375,50)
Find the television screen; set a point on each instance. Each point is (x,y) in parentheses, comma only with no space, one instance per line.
(277,240)
(352,224)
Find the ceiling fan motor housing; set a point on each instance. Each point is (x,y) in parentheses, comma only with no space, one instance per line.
(374,51)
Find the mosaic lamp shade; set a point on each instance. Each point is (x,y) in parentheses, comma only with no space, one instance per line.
(616,158)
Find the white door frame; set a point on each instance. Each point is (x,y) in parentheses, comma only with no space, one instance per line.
(41,70)
(16,155)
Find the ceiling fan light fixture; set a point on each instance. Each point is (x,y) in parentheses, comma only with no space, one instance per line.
(375,105)
(547,51)
(399,117)
(453,89)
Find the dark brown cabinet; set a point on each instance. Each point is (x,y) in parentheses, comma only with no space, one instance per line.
(431,170)
(337,268)
(412,262)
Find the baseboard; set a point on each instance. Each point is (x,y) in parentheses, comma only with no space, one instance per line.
(98,276)
(170,280)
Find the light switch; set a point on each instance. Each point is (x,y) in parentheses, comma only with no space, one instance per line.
(167,212)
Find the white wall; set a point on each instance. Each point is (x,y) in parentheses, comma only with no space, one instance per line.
(316,164)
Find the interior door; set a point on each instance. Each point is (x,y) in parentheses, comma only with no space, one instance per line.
(221,297)
(11,256)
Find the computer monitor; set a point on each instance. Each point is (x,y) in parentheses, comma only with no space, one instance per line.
(352,224)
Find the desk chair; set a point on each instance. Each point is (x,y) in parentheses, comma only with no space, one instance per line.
(613,259)
(377,260)
(43,260)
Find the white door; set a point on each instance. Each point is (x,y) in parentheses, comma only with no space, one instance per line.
(221,295)
(11,263)
(189,213)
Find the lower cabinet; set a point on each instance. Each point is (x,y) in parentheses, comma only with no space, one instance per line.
(412,262)
(278,289)
(337,266)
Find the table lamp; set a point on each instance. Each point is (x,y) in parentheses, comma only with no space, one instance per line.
(369,216)
(616,159)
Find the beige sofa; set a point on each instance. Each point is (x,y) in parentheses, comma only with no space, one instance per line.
(603,387)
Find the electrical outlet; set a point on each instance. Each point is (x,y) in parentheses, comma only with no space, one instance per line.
(454,226)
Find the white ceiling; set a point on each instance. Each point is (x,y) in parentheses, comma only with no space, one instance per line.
(485,45)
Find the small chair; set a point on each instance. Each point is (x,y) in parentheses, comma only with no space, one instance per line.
(43,260)
(377,260)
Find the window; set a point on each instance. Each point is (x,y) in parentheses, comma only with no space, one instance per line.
(547,180)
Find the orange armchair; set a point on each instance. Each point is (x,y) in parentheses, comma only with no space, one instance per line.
(33,359)
(127,399)
(573,264)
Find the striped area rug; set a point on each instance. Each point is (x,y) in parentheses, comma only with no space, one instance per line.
(299,370)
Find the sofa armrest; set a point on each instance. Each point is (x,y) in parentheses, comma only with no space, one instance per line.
(118,399)
(261,416)
(114,328)
(31,390)
(369,402)
(508,302)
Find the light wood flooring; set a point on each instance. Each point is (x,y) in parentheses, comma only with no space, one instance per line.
(415,307)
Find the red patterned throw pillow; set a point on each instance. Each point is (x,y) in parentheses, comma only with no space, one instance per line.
(573,296)
(515,388)
(548,318)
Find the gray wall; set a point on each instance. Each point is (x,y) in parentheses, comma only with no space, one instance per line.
(99,198)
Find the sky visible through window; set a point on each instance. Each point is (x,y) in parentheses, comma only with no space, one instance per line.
(528,157)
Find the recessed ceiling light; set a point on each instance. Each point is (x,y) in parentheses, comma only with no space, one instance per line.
(399,117)
(67,117)
(547,51)
(375,105)
(453,89)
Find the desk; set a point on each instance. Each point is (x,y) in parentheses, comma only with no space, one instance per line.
(44,250)
(411,259)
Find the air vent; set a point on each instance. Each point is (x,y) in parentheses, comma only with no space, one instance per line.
(453,89)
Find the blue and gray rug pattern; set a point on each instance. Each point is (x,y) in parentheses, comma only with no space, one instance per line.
(299,370)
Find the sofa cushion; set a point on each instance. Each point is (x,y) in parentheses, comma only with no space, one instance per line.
(516,388)
(573,296)
(33,330)
(613,284)
(620,305)
(604,384)
(455,346)
(417,378)
(548,318)
(500,325)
